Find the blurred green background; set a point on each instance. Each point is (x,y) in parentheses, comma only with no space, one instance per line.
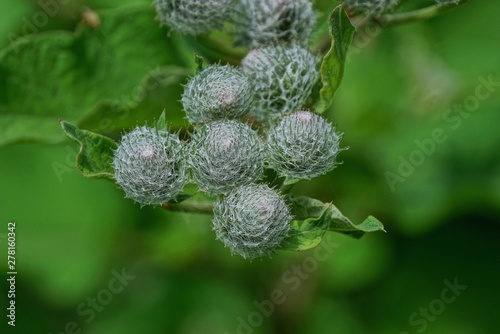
(401,84)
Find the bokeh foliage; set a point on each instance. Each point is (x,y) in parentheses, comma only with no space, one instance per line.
(399,83)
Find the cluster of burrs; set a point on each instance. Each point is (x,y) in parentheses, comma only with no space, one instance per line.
(246,120)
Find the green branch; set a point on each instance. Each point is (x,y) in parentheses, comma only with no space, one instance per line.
(417,15)
(191,207)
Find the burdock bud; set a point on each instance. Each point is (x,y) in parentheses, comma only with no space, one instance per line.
(302,146)
(282,79)
(194,17)
(371,7)
(148,166)
(225,154)
(252,220)
(268,21)
(218,92)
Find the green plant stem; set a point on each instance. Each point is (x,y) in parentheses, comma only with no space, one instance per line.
(191,207)
(324,43)
(416,15)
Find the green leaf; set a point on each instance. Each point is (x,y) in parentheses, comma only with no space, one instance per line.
(161,123)
(96,152)
(339,223)
(289,181)
(306,234)
(200,63)
(309,226)
(165,88)
(313,218)
(71,76)
(332,67)
(305,207)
